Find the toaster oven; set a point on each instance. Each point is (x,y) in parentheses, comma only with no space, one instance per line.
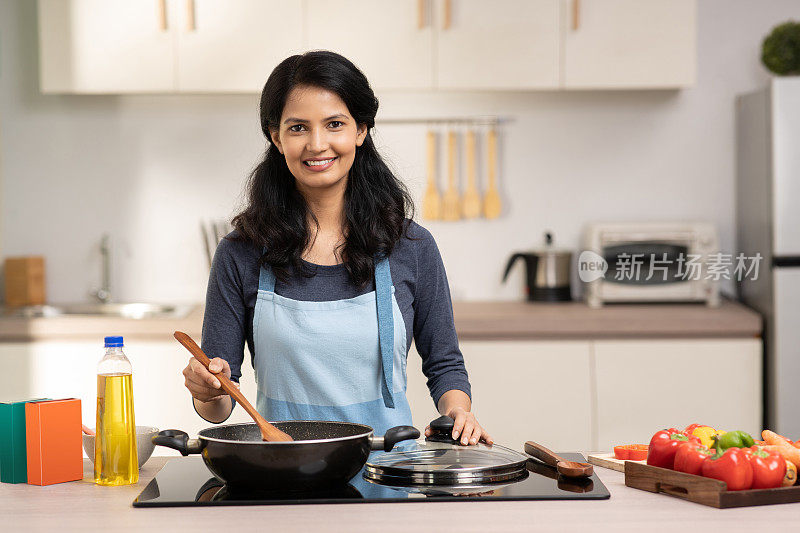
(649,262)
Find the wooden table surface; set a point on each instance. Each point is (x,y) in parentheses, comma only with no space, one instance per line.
(83,506)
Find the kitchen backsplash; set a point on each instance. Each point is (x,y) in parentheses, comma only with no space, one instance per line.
(147,169)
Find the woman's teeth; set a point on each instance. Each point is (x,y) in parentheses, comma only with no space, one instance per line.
(319,163)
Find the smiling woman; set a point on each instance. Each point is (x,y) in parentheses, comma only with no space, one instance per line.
(319,148)
(326,278)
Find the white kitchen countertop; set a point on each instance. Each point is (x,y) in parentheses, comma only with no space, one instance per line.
(83,506)
(473,320)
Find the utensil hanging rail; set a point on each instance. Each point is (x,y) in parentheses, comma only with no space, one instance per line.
(471,121)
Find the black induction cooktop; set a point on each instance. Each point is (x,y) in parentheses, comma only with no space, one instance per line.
(185,481)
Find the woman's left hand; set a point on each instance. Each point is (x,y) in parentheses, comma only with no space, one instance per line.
(466,427)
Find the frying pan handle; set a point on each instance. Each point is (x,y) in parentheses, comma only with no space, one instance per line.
(393,436)
(177,440)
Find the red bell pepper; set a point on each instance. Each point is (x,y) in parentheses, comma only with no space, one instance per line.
(690,457)
(690,428)
(664,445)
(732,467)
(769,468)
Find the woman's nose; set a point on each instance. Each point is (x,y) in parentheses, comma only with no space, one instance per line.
(317,141)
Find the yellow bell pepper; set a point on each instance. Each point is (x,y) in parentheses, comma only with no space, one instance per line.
(706,435)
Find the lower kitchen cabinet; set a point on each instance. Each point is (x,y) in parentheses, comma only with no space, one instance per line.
(645,385)
(566,394)
(522,390)
(57,369)
(618,391)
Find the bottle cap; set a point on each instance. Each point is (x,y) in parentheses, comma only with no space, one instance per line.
(114,342)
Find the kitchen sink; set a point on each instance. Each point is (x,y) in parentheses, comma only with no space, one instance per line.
(120,310)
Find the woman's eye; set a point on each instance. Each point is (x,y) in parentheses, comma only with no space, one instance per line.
(295,128)
(336,124)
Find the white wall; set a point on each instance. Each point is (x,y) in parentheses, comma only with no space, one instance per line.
(148,168)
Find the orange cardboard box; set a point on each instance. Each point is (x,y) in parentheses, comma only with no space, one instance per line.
(54,441)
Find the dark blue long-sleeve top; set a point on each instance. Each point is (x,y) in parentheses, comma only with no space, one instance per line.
(421,290)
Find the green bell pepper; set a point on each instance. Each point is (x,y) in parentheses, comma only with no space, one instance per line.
(732,439)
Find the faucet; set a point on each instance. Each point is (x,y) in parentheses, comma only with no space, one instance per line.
(103,294)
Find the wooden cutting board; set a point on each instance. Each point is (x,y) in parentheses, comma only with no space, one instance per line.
(607,460)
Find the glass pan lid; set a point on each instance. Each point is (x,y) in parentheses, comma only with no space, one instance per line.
(440,463)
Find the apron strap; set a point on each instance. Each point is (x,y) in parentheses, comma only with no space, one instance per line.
(266,278)
(383,293)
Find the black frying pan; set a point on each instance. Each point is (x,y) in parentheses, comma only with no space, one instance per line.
(322,453)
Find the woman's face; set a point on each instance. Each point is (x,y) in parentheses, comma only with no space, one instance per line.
(318,137)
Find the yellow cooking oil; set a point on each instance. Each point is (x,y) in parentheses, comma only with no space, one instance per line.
(115,458)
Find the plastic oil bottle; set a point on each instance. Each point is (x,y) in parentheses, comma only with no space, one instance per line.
(115,459)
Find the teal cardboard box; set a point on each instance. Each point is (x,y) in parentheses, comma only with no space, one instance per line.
(13,455)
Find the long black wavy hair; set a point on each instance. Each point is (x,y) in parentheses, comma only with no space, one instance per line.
(376,203)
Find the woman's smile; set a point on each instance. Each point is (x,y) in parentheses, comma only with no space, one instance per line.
(317,164)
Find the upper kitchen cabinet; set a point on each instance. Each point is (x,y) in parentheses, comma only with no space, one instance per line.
(105,46)
(233,45)
(629,44)
(391,41)
(167,46)
(505,44)
(124,46)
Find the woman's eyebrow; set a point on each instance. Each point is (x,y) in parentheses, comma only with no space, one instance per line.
(301,120)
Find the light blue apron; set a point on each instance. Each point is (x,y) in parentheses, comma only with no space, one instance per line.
(341,360)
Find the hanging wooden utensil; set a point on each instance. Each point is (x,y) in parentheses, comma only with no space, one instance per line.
(268,431)
(471,201)
(492,205)
(432,202)
(451,204)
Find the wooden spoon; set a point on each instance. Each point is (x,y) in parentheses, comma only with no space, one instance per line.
(564,467)
(451,203)
(268,431)
(492,206)
(471,201)
(432,203)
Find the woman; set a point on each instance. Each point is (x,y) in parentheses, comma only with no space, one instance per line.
(324,277)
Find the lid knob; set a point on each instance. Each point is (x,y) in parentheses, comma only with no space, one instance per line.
(442,429)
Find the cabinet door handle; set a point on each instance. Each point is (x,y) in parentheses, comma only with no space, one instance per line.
(420,14)
(162,15)
(447,13)
(190,24)
(576,14)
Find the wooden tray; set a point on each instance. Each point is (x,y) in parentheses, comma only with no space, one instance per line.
(703,490)
(607,460)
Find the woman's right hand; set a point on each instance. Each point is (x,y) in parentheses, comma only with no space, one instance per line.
(203,384)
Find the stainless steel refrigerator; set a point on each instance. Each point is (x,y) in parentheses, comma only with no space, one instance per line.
(768,222)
